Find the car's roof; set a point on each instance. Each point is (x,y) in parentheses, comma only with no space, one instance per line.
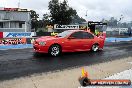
(75,30)
(80,30)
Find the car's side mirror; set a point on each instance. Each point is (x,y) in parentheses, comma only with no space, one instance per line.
(71,37)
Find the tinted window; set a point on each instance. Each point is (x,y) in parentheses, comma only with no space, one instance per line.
(87,35)
(77,35)
(64,34)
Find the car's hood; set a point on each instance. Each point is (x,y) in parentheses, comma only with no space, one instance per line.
(47,38)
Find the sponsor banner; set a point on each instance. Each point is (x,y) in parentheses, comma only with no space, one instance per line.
(23,10)
(96,23)
(66,26)
(13,41)
(1,34)
(81,27)
(16,41)
(10,9)
(13,9)
(53,34)
(18,34)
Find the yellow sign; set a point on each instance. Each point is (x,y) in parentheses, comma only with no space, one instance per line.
(53,34)
(83,27)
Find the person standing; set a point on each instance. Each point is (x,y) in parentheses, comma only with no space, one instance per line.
(96,32)
(129,31)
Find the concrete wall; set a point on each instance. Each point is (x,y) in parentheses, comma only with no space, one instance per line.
(14,18)
(15,15)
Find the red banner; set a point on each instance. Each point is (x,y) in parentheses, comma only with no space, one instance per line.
(10,9)
(1,34)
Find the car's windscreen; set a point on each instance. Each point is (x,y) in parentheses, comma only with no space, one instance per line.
(64,34)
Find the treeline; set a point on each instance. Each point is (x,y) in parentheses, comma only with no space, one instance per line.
(60,13)
(112,22)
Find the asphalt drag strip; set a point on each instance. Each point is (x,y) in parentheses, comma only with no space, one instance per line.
(68,78)
(21,62)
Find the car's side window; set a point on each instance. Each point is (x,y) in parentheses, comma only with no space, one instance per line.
(87,35)
(77,35)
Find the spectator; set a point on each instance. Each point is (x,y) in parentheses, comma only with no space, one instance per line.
(129,31)
(96,32)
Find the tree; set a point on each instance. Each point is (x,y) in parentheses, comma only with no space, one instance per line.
(46,19)
(61,13)
(78,20)
(112,22)
(34,19)
(54,10)
(40,24)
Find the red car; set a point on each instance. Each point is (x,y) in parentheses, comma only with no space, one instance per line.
(68,41)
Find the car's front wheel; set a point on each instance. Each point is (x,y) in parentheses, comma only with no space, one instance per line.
(95,47)
(55,50)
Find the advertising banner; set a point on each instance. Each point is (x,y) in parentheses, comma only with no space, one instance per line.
(18,34)
(13,9)
(16,41)
(66,26)
(12,41)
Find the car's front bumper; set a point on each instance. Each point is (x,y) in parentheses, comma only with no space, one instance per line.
(41,49)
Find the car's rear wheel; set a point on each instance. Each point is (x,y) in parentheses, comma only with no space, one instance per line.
(95,48)
(55,50)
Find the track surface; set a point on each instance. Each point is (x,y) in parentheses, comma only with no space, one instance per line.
(21,62)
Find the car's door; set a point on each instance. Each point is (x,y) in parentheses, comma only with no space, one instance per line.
(74,42)
(88,40)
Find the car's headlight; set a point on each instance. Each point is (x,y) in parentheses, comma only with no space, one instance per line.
(42,43)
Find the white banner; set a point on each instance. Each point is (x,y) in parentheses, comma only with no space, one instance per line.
(18,34)
(56,26)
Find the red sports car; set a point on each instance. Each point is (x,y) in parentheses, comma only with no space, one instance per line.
(68,41)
